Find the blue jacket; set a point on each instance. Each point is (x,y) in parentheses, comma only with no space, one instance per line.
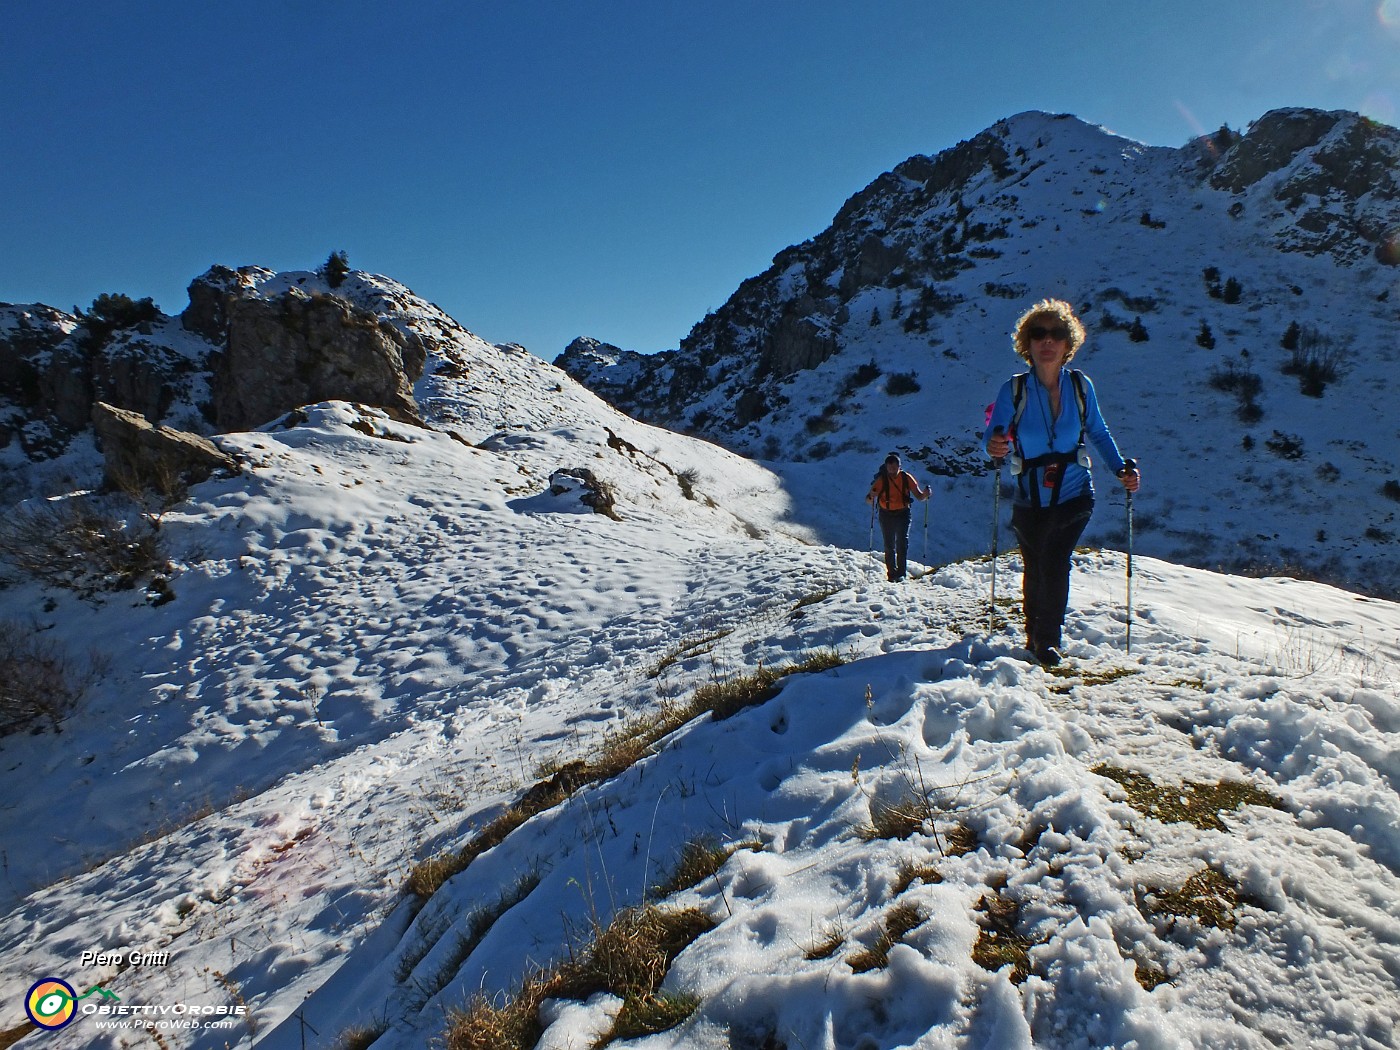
(1037,434)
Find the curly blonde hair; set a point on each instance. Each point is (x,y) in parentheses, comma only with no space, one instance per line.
(1062,312)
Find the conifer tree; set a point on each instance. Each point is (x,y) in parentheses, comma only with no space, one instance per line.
(335,269)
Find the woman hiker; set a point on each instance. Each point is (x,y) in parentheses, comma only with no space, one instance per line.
(891,491)
(1041,417)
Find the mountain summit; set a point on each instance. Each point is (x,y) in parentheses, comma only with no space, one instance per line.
(1241,294)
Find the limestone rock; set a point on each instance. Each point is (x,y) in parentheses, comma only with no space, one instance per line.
(150,456)
(297,350)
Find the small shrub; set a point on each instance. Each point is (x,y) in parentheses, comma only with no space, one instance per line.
(1316,361)
(1137,332)
(901,383)
(80,545)
(39,683)
(1291,336)
(686,479)
(1233,291)
(1285,446)
(861,377)
(1391,490)
(1237,379)
(1004,291)
(112,313)
(1205,338)
(1249,412)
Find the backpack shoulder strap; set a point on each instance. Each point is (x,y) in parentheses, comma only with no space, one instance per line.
(1078,379)
(1018,397)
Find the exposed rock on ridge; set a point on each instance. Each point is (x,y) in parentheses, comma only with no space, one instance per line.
(298,349)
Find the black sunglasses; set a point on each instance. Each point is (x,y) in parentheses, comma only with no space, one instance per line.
(1059,333)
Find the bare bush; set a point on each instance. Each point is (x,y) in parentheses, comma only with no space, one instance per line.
(40,684)
(1316,360)
(80,545)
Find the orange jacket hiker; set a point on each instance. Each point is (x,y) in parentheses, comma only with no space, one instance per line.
(894,492)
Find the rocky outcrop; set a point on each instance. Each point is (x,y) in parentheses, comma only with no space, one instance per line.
(298,349)
(1337,174)
(55,366)
(210,292)
(801,338)
(587,487)
(1273,141)
(138,453)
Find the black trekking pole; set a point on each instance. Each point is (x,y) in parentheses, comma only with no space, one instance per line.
(1128,465)
(926,503)
(871,550)
(996,519)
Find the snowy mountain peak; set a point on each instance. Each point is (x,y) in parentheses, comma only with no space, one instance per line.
(1223,272)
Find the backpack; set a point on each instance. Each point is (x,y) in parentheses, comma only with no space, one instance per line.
(903,479)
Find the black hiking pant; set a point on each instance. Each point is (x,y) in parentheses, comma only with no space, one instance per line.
(1047,536)
(894,527)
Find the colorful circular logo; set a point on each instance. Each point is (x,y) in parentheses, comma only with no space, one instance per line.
(51,1003)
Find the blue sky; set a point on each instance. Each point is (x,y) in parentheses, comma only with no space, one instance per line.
(543,170)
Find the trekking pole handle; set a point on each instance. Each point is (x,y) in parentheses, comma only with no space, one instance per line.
(997,433)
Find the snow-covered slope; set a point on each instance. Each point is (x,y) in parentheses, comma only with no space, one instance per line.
(891,329)
(383,634)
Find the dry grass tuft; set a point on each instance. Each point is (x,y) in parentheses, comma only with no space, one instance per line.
(699,860)
(901,919)
(998,942)
(829,944)
(1190,802)
(1209,896)
(618,752)
(361,1037)
(908,873)
(897,820)
(629,959)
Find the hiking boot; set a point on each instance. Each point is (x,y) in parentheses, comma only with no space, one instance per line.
(1047,656)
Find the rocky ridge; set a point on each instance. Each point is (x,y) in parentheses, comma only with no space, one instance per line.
(922,239)
(1214,279)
